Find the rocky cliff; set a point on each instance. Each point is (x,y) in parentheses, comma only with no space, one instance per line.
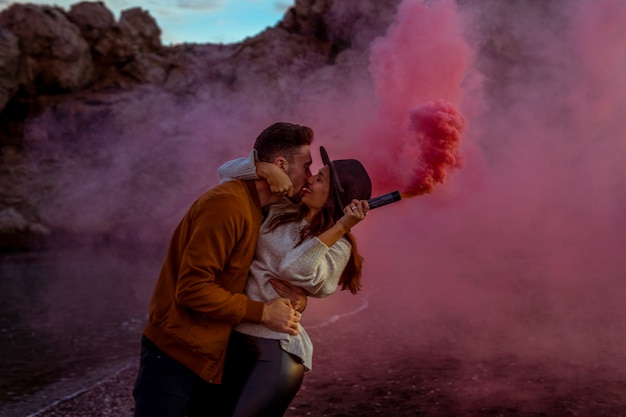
(106,135)
(73,82)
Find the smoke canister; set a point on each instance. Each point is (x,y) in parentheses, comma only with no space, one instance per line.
(383,200)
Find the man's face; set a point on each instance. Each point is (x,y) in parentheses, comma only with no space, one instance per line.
(300,170)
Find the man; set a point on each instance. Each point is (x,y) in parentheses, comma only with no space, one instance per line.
(198,295)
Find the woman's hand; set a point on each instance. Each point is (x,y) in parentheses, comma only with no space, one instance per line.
(354,213)
(277,179)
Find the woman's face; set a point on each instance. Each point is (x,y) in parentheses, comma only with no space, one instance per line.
(315,194)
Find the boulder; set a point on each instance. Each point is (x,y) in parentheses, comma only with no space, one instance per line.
(9,59)
(17,233)
(93,19)
(55,56)
(142,29)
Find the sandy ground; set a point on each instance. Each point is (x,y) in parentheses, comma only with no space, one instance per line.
(355,377)
(368,364)
(440,387)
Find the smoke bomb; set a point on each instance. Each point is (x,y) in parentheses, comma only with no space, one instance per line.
(383,200)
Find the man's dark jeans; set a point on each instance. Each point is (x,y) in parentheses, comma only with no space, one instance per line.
(165,388)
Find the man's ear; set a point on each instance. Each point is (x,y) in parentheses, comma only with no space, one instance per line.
(281,162)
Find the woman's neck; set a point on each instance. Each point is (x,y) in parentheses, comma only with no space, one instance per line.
(311,214)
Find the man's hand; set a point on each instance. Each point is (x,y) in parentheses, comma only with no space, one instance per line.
(296,294)
(278,180)
(278,315)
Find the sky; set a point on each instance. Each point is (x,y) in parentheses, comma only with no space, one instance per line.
(196,21)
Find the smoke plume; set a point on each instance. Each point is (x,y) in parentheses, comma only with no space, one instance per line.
(517,250)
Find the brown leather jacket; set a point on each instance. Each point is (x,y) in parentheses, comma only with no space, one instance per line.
(198,296)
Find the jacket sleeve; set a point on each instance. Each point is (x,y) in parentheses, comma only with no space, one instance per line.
(316,267)
(214,230)
(239,169)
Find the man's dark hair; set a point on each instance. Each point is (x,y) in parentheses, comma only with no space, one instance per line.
(282,139)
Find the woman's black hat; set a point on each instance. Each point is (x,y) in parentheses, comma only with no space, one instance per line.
(349,180)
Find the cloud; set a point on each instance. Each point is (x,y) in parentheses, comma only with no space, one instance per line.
(206,5)
(282,6)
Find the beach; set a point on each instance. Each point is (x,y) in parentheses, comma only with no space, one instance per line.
(407,375)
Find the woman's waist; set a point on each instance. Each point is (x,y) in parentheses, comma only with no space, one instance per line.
(260,330)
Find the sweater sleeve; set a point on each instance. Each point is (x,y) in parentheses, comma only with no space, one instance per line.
(316,267)
(214,232)
(239,169)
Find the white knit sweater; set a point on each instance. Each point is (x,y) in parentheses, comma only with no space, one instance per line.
(311,265)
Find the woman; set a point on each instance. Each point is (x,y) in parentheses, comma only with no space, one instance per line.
(310,246)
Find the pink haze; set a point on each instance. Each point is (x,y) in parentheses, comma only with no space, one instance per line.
(518,251)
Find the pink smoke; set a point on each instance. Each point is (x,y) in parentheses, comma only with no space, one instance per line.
(418,69)
(525,254)
(436,129)
(423,57)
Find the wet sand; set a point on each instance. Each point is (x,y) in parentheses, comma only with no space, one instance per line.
(354,376)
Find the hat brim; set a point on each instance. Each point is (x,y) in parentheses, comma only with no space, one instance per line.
(325,158)
(337,189)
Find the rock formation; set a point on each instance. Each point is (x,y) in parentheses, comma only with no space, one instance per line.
(103,130)
(80,69)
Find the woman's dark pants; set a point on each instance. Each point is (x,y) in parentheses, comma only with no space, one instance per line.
(260,377)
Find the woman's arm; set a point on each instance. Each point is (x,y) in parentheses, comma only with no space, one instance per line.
(239,169)
(316,267)
(252,169)
(317,264)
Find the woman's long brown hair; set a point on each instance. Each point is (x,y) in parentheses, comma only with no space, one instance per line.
(351,276)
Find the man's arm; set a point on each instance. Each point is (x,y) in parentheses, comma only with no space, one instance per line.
(278,315)
(213,233)
(297,295)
